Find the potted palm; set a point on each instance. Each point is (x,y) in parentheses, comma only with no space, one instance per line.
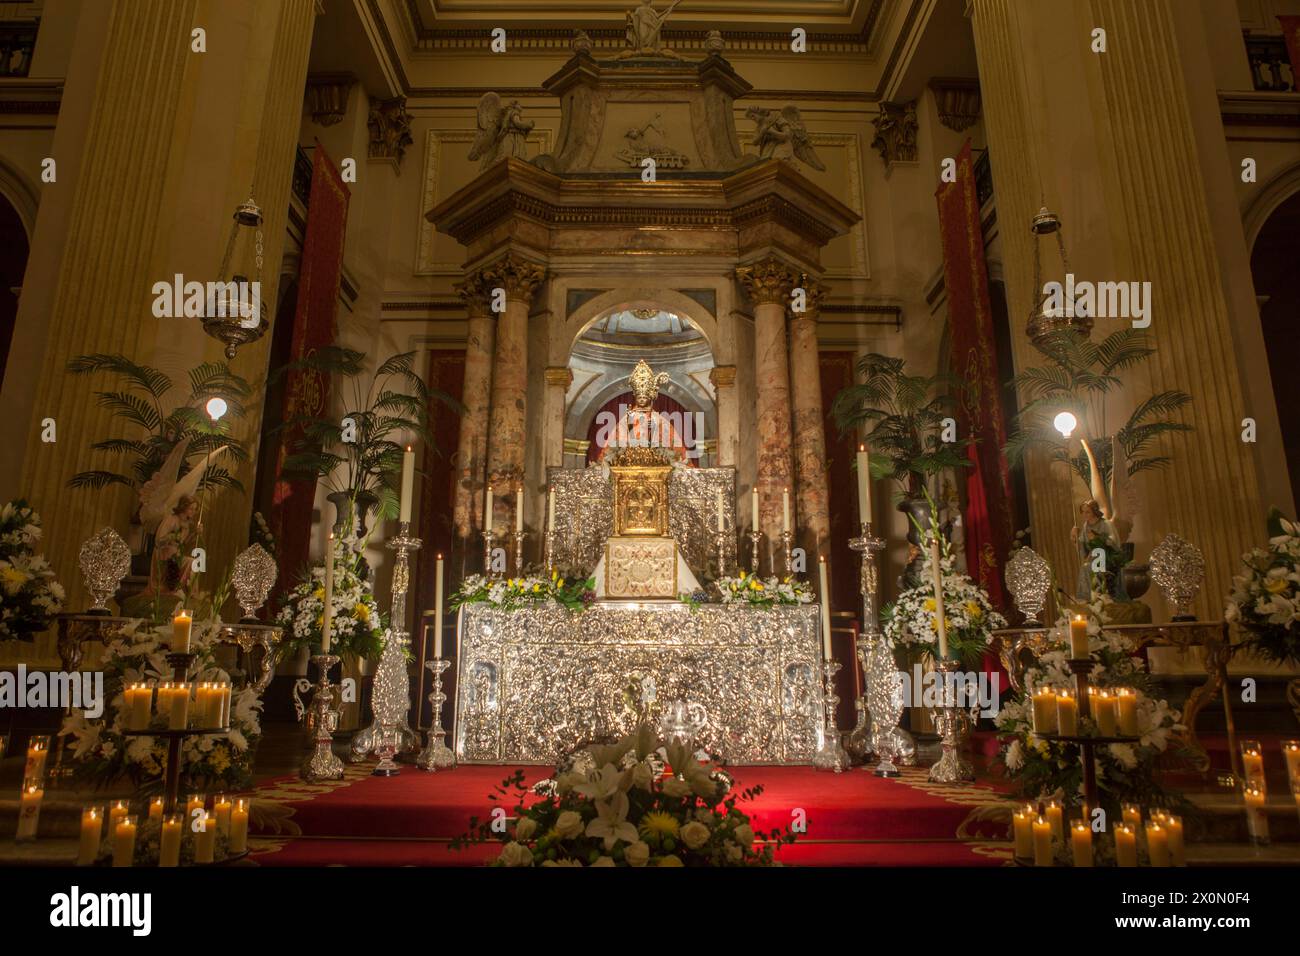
(903,417)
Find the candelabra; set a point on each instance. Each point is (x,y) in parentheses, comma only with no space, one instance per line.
(322,721)
(488,537)
(389,733)
(436,755)
(953,722)
(720,539)
(519,552)
(755,537)
(831,755)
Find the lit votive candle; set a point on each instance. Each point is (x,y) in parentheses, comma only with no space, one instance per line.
(38,749)
(194,803)
(1177,849)
(1132,815)
(1067,714)
(1045,710)
(116,813)
(169,843)
(1157,843)
(239,826)
(1126,848)
(1252,763)
(124,841)
(182,626)
(202,703)
(1256,815)
(1105,713)
(1081,843)
(1022,827)
(1291,754)
(1042,842)
(155,809)
(225,704)
(205,838)
(1056,818)
(92,831)
(222,806)
(1126,705)
(29,809)
(1079,638)
(178,711)
(139,702)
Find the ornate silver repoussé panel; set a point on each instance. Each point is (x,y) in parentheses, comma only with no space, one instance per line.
(534,683)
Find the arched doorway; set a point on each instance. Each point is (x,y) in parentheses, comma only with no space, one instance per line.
(14,250)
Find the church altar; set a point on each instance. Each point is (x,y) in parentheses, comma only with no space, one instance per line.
(535,682)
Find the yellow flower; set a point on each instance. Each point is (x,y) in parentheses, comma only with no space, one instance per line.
(657,823)
(973,609)
(930,605)
(361,612)
(755,584)
(14,579)
(1277,585)
(537,588)
(671,861)
(561,582)
(742,575)
(319,593)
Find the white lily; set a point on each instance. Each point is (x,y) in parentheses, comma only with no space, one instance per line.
(603,784)
(611,822)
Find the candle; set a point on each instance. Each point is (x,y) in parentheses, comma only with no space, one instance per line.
(1132,815)
(1256,817)
(936,573)
(155,809)
(519,510)
(38,749)
(1081,843)
(116,813)
(194,804)
(1291,754)
(29,809)
(721,524)
(92,831)
(408,484)
(785,509)
(1126,702)
(1157,844)
(1252,762)
(205,838)
(124,842)
(437,601)
(327,615)
(222,806)
(1042,842)
(178,713)
(1104,712)
(550,509)
(753,501)
(169,843)
(225,703)
(1079,638)
(1045,710)
(1174,830)
(487,510)
(1067,714)
(182,626)
(1057,819)
(139,701)
(1126,848)
(239,826)
(202,703)
(1022,825)
(826,606)
(864,485)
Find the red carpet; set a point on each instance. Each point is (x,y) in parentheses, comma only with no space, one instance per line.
(852,819)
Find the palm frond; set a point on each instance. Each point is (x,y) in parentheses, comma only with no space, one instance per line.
(143,377)
(131,407)
(98,479)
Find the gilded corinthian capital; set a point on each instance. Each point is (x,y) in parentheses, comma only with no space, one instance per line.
(518,276)
(768,281)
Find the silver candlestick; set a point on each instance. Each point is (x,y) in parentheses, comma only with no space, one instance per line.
(519,553)
(550,548)
(436,755)
(389,732)
(720,539)
(953,722)
(755,537)
(488,537)
(831,755)
(322,720)
(787,543)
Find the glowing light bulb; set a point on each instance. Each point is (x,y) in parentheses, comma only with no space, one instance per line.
(1065,423)
(216,408)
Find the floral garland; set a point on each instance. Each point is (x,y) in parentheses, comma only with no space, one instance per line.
(357,626)
(912,620)
(30,595)
(615,806)
(1125,771)
(534,590)
(1265,600)
(769,592)
(103,754)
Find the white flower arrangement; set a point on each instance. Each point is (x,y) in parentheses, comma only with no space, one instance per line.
(30,596)
(531,590)
(102,753)
(752,590)
(1265,599)
(357,624)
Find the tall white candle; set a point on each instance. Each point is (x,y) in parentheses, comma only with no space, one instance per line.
(721,524)
(753,498)
(408,483)
(437,610)
(785,509)
(519,509)
(864,485)
(937,574)
(329,595)
(826,606)
(487,511)
(550,509)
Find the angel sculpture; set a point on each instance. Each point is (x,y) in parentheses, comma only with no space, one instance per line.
(783,136)
(645,27)
(168,510)
(502,131)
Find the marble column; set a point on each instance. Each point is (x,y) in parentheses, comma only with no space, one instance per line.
(519,279)
(813,493)
(769,283)
(476,396)
(558,380)
(723,380)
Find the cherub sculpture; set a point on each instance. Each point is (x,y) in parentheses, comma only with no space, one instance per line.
(783,136)
(502,131)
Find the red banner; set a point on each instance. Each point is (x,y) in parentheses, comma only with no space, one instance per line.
(307,392)
(988,518)
(1291,33)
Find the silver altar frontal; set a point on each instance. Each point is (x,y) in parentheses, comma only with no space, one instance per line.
(534,683)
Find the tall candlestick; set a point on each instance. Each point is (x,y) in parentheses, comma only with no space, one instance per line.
(721,524)
(487,510)
(92,831)
(550,509)
(519,514)
(408,483)
(826,606)
(937,573)
(182,626)
(864,485)
(753,500)
(328,616)
(785,509)
(437,607)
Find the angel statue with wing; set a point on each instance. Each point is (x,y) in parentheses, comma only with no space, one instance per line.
(645,27)
(502,131)
(783,136)
(169,508)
